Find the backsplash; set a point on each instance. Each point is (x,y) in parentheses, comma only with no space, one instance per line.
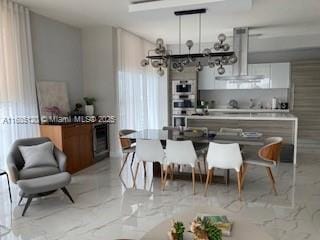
(264,96)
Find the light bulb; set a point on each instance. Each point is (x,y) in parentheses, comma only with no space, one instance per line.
(224,61)
(221,70)
(217,61)
(211,64)
(144,62)
(180,68)
(199,67)
(233,59)
(155,64)
(206,52)
(160,72)
(159,42)
(217,46)
(222,37)
(226,47)
(189,44)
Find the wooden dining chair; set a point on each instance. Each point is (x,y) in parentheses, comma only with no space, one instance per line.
(128,147)
(268,157)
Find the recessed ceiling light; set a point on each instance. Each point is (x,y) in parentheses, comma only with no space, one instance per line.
(144,5)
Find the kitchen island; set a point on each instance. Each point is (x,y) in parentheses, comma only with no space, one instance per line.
(283,125)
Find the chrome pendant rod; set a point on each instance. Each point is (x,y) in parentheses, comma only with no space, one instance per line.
(179,34)
(199,32)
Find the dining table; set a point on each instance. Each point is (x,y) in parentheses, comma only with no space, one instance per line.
(200,142)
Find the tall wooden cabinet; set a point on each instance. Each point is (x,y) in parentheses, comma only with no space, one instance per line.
(75,140)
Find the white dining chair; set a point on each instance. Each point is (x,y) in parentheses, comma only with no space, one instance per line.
(224,156)
(181,153)
(148,151)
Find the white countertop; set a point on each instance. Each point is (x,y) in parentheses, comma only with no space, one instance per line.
(248,110)
(247,116)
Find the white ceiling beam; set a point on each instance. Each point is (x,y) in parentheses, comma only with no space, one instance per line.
(155,5)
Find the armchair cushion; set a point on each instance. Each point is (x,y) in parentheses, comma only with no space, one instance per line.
(44,184)
(29,173)
(38,155)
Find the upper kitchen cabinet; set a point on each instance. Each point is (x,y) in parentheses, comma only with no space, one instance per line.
(276,75)
(280,75)
(206,79)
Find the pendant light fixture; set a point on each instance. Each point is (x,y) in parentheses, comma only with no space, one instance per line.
(217,56)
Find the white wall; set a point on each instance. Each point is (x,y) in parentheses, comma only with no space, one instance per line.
(99,63)
(57,54)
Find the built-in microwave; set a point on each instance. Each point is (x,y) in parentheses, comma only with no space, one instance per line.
(183,104)
(184,87)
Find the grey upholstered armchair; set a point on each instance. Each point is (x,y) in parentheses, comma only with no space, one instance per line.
(37,181)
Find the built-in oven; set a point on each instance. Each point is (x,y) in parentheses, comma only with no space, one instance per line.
(179,121)
(183,87)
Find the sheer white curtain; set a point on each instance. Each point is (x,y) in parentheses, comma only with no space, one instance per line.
(142,93)
(17,81)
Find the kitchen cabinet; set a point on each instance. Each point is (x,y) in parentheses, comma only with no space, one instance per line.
(280,75)
(276,75)
(206,79)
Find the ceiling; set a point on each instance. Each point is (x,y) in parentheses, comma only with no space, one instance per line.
(271,18)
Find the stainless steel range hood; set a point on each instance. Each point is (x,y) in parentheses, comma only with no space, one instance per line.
(240,48)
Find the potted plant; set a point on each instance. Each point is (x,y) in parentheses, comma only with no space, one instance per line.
(203,229)
(89,107)
(176,231)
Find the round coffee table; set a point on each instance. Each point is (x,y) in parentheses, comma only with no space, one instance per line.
(241,229)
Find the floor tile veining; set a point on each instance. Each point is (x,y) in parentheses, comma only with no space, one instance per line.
(106,206)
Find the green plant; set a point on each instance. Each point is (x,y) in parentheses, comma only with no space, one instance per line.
(213,232)
(204,229)
(89,100)
(177,230)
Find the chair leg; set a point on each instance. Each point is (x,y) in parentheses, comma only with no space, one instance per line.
(239,184)
(204,163)
(161,173)
(211,176)
(131,164)
(135,175)
(21,198)
(269,172)
(66,192)
(193,181)
(124,163)
(165,177)
(9,187)
(145,168)
(207,182)
(172,171)
(27,205)
(244,172)
(227,176)
(200,173)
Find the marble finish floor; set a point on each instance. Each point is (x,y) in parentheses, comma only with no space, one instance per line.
(106,207)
